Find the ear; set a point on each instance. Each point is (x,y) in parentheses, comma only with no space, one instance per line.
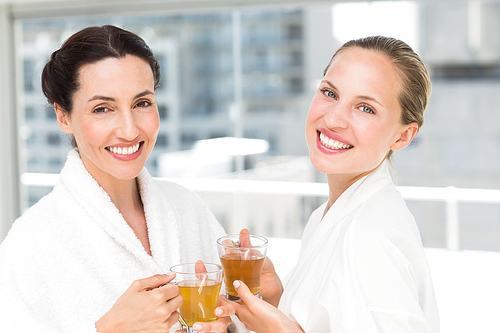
(407,134)
(63,119)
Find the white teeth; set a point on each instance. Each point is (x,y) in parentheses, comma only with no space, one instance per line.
(124,150)
(332,144)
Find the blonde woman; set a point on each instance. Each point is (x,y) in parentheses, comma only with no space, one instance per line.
(361,267)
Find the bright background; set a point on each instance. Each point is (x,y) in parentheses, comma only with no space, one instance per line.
(238,77)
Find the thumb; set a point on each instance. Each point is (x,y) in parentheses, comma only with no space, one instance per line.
(243,292)
(245,238)
(152,282)
(199,267)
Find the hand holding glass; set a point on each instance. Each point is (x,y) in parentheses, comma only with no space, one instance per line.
(199,284)
(242,259)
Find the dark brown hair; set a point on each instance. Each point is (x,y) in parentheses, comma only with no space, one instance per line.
(60,79)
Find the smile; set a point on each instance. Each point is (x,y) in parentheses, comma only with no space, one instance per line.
(124,150)
(332,144)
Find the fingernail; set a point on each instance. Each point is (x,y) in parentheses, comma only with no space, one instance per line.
(218,312)
(197,327)
(236,284)
(170,273)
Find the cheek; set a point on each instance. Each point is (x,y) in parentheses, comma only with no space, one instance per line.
(377,141)
(89,133)
(150,124)
(313,115)
(155,123)
(316,108)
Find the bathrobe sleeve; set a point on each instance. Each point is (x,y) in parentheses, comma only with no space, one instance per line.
(39,273)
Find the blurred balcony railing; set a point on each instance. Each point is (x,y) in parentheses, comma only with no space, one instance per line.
(450,196)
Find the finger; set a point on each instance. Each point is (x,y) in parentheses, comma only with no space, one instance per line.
(246,245)
(244,293)
(152,282)
(222,301)
(268,264)
(225,308)
(174,303)
(229,243)
(172,319)
(199,267)
(230,249)
(245,238)
(225,311)
(220,325)
(167,292)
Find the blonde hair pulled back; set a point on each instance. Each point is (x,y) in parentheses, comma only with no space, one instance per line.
(415,87)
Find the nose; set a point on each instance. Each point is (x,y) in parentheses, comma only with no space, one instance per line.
(337,116)
(127,128)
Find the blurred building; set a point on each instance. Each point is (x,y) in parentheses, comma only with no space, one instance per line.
(283,51)
(196,97)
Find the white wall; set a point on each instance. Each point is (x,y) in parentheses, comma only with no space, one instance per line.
(9,174)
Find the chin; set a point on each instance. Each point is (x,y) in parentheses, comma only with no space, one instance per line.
(321,165)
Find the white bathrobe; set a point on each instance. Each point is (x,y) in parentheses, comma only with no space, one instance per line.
(67,260)
(362,266)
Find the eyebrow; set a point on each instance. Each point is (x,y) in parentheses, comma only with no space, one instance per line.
(369,98)
(111,99)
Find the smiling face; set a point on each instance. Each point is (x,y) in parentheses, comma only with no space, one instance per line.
(114,118)
(355,117)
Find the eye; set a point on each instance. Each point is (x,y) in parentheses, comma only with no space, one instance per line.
(100,109)
(143,104)
(366,109)
(328,93)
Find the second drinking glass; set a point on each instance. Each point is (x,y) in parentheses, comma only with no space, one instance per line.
(242,260)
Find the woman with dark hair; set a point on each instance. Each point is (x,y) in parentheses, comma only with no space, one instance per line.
(91,255)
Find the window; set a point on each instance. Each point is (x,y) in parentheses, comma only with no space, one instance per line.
(258,85)
(53,139)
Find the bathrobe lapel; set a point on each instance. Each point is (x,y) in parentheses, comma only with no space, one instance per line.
(320,231)
(101,211)
(352,198)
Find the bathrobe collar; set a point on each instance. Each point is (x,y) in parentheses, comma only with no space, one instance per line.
(97,203)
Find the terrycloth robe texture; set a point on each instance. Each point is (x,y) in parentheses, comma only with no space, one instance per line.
(362,267)
(67,260)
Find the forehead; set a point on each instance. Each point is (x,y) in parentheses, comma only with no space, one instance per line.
(115,71)
(365,72)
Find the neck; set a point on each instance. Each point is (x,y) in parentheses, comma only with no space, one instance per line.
(124,194)
(338,183)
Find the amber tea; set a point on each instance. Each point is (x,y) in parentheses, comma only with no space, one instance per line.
(247,271)
(242,257)
(200,300)
(199,285)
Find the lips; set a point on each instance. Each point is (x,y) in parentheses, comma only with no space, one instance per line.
(331,143)
(125,150)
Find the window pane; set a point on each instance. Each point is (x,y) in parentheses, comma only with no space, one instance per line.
(196,99)
(283,53)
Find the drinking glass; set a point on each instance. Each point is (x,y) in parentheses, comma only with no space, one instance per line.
(242,260)
(199,284)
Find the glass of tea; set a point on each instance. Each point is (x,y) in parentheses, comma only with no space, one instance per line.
(199,284)
(242,260)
